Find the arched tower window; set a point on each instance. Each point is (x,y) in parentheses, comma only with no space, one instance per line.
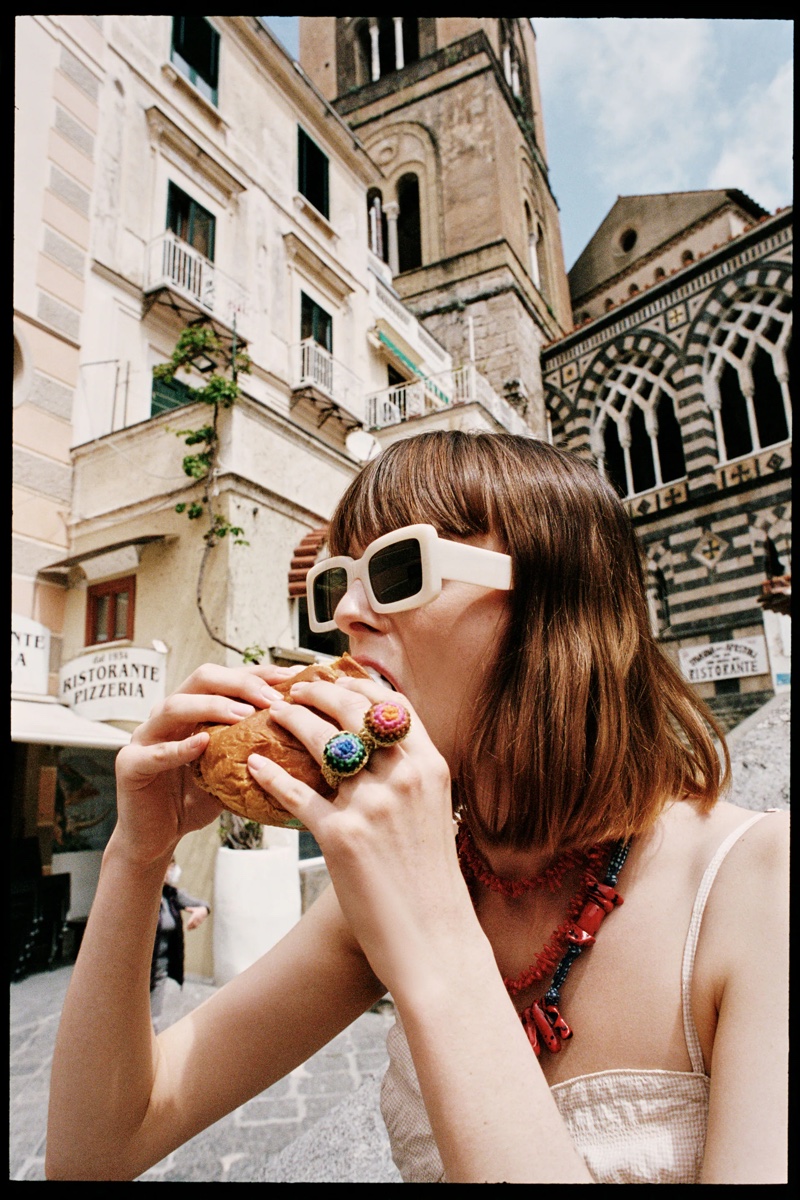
(409,234)
(747,381)
(637,438)
(512,60)
(532,248)
(383,45)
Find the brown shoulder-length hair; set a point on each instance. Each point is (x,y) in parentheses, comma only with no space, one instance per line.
(584,729)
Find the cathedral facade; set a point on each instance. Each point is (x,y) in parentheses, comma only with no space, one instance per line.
(676,382)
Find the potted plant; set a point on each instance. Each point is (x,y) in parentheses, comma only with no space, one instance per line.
(256,895)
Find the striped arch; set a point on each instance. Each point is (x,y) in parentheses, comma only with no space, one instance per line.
(765,276)
(659,573)
(625,346)
(569,426)
(778,528)
(624,386)
(744,328)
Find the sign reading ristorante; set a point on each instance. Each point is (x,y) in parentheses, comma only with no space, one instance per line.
(724,660)
(113,685)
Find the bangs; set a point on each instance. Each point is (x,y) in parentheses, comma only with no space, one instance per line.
(420,480)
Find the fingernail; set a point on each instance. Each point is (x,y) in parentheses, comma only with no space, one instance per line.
(242,710)
(257,760)
(270,693)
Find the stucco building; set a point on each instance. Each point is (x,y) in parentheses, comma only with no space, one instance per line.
(174,172)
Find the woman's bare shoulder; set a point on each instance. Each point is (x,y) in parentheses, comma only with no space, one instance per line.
(704,833)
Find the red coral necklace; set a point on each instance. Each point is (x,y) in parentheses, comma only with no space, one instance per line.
(542,1021)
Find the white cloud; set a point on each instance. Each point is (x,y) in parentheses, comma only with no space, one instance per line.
(757,155)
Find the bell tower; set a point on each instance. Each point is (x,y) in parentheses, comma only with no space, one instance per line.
(449,109)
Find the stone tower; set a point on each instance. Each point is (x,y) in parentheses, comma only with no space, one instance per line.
(449,109)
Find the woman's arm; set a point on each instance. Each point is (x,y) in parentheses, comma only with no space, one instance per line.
(743,955)
(390,849)
(120,1099)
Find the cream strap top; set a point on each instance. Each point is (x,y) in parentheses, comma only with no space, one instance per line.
(630,1125)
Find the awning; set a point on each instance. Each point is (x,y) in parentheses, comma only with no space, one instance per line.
(46,722)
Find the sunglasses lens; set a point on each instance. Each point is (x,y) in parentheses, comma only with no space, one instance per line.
(327,591)
(396,571)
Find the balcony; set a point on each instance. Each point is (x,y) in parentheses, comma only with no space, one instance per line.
(432,394)
(187,275)
(332,388)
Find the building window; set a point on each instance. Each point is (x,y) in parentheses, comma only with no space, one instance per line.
(195,52)
(409,231)
(747,381)
(315,323)
(687,257)
(628,240)
(190,221)
(334,643)
(109,611)
(637,437)
(312,172)
(512,67)
(168,395)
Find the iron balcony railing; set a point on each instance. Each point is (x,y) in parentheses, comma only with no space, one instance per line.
(173,263)
(432,393)
(315,367)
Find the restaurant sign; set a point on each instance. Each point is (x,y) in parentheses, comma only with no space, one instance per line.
(113,685)
(30,655)
(724,660)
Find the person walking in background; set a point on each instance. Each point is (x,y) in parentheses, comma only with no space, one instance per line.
(168,947)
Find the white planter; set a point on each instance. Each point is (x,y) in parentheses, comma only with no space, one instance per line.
(83,867)
(256,902)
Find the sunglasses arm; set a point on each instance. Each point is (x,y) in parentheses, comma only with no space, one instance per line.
(473,564)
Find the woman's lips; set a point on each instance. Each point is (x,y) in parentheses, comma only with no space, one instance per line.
(378,674)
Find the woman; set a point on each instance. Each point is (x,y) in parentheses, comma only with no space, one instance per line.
(580,769)
(168,946)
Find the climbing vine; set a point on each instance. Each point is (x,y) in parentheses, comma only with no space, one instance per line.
(199,349)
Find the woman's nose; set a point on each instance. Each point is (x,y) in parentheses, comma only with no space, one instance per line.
(354,609)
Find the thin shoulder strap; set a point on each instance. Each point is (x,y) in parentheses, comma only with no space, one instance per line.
(690,949)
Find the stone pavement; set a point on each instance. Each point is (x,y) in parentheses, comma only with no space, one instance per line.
(286,1134)
(320,1124)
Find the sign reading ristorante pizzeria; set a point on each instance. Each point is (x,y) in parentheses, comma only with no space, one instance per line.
(724,660)
(113,685)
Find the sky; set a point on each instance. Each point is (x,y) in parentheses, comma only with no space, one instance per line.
(637,105)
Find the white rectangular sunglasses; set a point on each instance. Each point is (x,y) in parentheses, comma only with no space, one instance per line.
(403,569)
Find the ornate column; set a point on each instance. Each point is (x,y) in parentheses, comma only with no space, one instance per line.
(399,60)
(392,211)
(376,54)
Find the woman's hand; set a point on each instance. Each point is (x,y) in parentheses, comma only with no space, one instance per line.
(158,800)
(387,835)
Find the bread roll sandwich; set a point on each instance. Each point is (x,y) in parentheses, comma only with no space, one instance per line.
(222,768)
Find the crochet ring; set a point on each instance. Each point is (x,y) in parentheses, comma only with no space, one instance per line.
(343,755)
(385,723)
(346,753)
